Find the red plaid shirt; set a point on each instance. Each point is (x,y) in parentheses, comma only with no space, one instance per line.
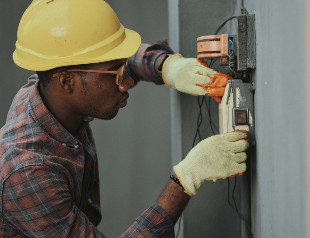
(49,179)
(141,65)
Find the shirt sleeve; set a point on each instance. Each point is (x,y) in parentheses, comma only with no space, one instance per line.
(38,202)
(153,222)
(141,66)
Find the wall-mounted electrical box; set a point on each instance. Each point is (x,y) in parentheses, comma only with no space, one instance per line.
(236,110)
(234,50)
(237,51)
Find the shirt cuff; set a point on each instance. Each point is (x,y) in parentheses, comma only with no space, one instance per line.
(152,222)
(141,66)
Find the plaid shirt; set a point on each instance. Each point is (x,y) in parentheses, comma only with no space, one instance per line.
(142,65)
(49,179)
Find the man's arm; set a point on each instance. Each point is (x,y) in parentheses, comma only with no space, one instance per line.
(157,63)
(217,157)
(37,201)
(160,218)
(144,64)
(173,200)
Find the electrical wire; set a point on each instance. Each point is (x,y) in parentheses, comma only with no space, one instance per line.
(223,24)
(213,127)
(202,100)
(235,207)
(242,5)
(198,121)
(243,9)
(197,134)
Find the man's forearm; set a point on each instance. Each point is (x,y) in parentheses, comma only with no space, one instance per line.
(173,200)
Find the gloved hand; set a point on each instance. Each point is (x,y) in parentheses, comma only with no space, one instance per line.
(216,157)
(193,76)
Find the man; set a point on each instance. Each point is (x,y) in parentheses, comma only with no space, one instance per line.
(49,168)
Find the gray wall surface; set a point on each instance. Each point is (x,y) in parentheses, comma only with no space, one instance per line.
(208,214)
(134,148)
(279,182)
(12,77)
(279,169)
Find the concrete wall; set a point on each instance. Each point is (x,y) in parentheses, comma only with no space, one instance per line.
(12,77)
(208,214)
(279,184)
(279,169)
(134,148)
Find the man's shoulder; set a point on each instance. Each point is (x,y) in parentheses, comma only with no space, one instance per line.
(20,123)
(20,133)
(13,157)
(19,110)
(21,140)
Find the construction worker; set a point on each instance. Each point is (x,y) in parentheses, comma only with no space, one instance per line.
(49,169)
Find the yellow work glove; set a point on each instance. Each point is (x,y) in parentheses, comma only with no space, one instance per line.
(193,76)
(216,157)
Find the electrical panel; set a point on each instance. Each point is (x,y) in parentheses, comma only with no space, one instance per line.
(236,109)
(237,51)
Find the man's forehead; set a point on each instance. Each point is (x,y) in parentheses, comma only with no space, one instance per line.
(107,64)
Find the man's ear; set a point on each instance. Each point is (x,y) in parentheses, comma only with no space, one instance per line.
(66,80)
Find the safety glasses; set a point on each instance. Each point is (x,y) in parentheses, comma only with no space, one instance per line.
(119,73)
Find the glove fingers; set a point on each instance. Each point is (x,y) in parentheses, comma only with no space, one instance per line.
(212,92)
(218,92)
(238,168)
(201,80)
(204,70)
(196,90)
(239,157)
(234,136)
(238,146)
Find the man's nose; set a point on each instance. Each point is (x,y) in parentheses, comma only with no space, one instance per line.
(126,83)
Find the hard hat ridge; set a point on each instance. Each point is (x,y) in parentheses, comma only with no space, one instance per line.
(70,32)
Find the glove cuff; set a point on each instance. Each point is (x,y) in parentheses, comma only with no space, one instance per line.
(168,73)
(186,181)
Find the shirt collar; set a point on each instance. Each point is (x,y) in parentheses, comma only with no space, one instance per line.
(48,122)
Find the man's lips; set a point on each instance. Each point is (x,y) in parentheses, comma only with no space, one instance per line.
(123,102)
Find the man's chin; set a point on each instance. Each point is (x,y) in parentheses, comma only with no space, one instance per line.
(109,116)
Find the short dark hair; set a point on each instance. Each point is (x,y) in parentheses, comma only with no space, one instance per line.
(45,76)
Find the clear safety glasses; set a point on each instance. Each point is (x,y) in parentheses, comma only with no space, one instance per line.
(119,73)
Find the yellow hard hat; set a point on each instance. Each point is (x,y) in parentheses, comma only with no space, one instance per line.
(54,33)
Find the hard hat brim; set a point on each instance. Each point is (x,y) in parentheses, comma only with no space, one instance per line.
(127,48)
